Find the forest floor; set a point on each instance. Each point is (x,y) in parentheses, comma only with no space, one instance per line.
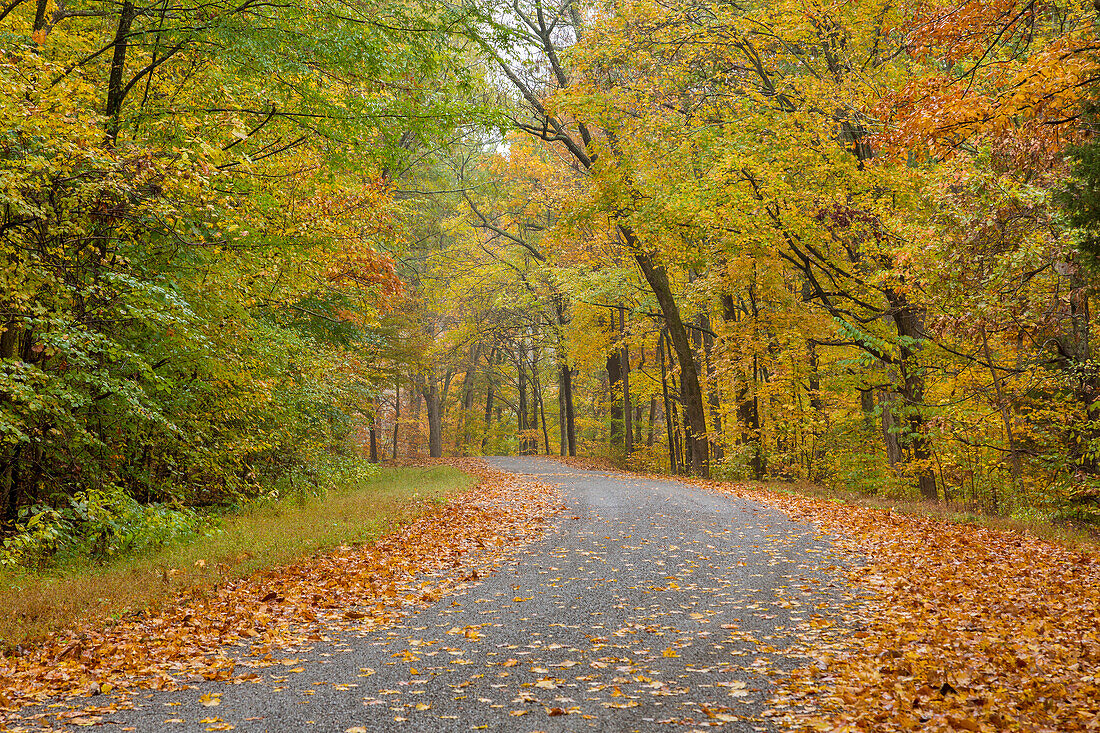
(648,604)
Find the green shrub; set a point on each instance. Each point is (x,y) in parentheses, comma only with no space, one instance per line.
(95,524)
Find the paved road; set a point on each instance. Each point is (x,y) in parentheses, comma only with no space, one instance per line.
(647,606)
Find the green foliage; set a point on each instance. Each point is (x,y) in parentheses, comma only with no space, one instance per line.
(190,277)
(95,524)
(1080,198)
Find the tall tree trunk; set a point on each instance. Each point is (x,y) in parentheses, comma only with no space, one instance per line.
(909,323)
(396,414)
(886,401)
(488,398)
(673,465)
(652,418)
(628,425)
(9,473)
(690,390)
(542,412)
(374,439)
(115,89)
(570,415)
(614,367)
(433,402)
(521,410)
(563,441)
(714,399)
(675,445)
(462,437)
(867,407)
(748,411)
(817,406)
(40,21)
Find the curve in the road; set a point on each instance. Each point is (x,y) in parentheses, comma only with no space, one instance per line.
(647,606)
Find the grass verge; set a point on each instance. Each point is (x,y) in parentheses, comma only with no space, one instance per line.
(36,605)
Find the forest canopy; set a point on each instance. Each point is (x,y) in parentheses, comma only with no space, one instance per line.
(845,242)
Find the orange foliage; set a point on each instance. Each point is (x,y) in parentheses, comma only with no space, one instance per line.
(991,72)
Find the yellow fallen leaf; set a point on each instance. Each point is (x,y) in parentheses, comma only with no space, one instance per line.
(210,700)
(517,713)
(423,706)
(670,652)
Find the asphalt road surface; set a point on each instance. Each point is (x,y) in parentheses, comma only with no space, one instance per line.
(647,606)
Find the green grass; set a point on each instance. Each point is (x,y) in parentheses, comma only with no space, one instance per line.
(264,535)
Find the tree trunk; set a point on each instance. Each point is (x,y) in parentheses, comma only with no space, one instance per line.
(396,414)
(614,367)
(748,411)
(542,413)
(115,89)
(672,420)
(488,398)
(628,425)
(690,390)
(909,324)
(433,402)
(570,421)
(462,437)
(886,402)
(867,406)
(521,411)
(374,439)
(652,418)
(714,399)
(40,15)
(673,464)
(563,441)
(817,406)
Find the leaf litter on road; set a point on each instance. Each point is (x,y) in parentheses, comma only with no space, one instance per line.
(212,635)
(959,628)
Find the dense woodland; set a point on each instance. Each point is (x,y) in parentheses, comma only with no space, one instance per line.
(851,242)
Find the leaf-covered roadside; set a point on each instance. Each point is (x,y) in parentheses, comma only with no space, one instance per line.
(203,635)
(965,628)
